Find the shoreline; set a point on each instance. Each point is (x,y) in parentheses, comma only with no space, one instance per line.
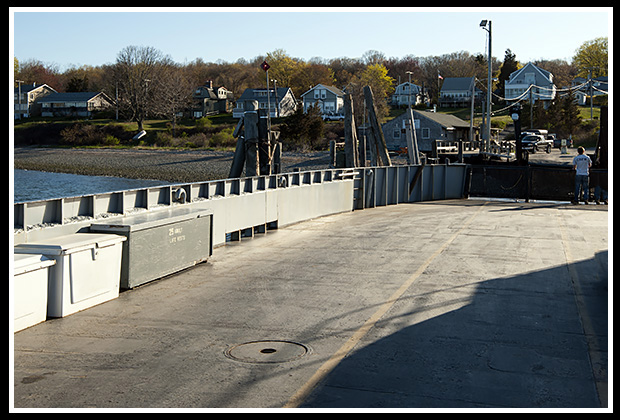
(162,165)
(178,166)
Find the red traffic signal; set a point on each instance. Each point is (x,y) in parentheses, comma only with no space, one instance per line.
(264,66)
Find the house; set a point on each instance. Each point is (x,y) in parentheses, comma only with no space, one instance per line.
(519,82)
(329,99)
(600,86)
(78,104)
(209,101)
(457,91)
(429,126)
(406,92)
(281,105)
(26,97)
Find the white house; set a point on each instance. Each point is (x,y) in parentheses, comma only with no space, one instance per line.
(406,92)
(329,99)
(520,81)
(79,104)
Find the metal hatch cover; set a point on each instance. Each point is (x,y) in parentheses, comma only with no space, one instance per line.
(267,351)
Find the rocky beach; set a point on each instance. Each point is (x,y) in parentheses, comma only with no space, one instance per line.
(165,165)
(189,165)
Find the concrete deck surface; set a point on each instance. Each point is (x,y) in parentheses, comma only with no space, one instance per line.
(446,304)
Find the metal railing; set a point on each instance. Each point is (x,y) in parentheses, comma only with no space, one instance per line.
(244,203)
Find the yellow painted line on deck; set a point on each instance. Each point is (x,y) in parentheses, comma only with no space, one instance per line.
(303,392)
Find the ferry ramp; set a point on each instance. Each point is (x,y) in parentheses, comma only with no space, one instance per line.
(464,303)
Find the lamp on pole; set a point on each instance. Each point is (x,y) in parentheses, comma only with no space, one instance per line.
(487,126)
(409,87)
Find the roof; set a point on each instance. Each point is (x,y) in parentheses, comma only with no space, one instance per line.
(28,87)
(70,97)
(457,83)
(249,93)
(445,120)
(537,71)
(332,89)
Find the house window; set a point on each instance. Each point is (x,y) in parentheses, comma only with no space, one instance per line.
(396,133)
(426,133)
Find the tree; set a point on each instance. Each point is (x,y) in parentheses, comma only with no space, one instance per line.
(175,95)
(76,80)
(310,75)
(34,71)
(138,74)
(509,66)
(302,130)
(283,67)
(375,76)
(592,55)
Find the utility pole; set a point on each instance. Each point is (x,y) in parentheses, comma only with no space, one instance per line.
(471,115)
(265,68)
(591,88)
(483,25)
(591,92)
(531,107)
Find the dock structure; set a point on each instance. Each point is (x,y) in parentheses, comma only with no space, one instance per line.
(460,303)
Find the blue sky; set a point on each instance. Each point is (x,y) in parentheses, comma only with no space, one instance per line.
(92,36)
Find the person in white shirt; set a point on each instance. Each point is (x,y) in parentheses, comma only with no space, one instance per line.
(581,165)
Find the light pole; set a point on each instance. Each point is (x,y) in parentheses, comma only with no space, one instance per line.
(487,126)
(409,87)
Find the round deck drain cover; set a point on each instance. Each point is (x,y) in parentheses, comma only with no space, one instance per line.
(267,351)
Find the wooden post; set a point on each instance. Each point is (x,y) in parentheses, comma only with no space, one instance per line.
(382,152)
(236,169)
(372,148)
(361,155)
(251,143)
(264,145)
(276,158)
(350,134)
(332,153)
(412,141)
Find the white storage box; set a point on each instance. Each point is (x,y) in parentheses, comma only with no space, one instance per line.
(30,273)
(87,270)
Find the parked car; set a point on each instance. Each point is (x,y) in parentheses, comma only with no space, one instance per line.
(333,117)
(535,143)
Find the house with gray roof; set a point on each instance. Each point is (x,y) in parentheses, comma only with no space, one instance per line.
(76,104)
(281,103)
(26,97)
(457,91)
(519,82)
(208,100)
(406,93)
(429,126)
(329,100)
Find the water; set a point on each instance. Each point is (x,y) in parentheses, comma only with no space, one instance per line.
(36,185)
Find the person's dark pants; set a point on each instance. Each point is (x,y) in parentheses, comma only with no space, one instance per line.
(582,183)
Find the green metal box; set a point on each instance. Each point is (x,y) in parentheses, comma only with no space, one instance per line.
(161,242)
